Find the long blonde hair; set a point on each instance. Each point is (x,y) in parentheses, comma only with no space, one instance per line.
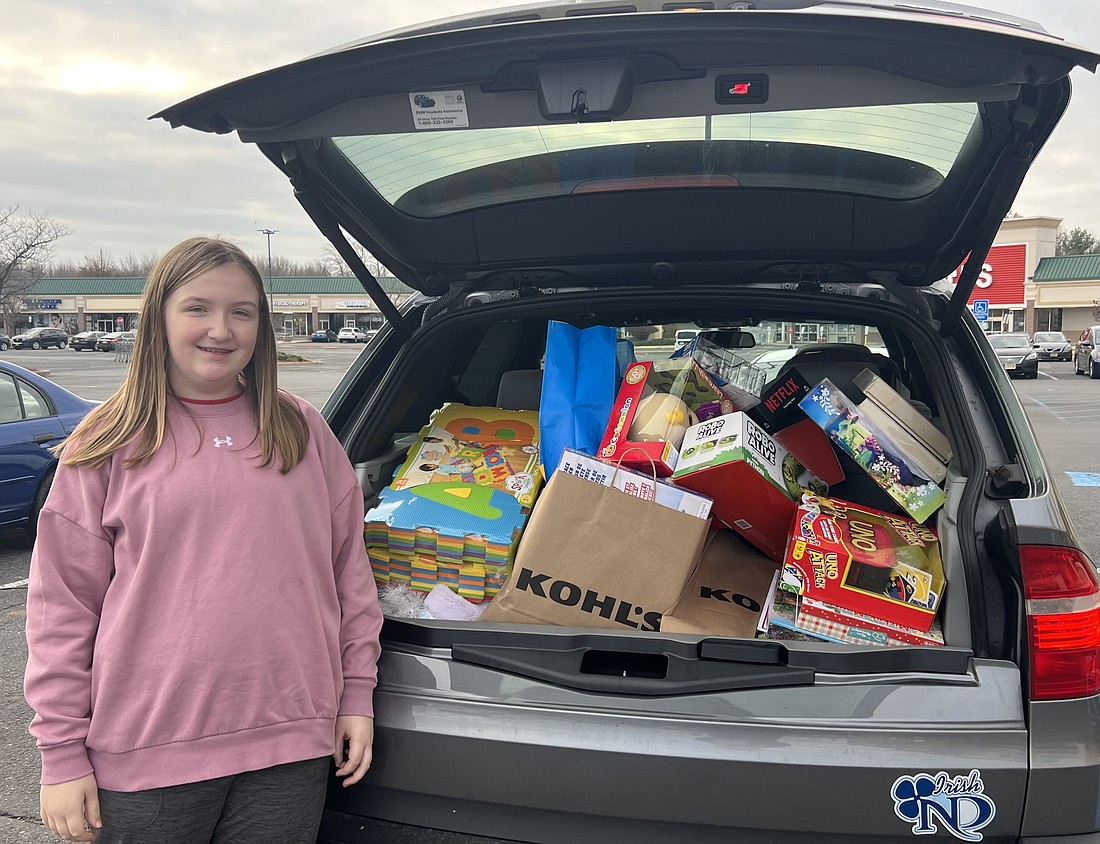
(136,412)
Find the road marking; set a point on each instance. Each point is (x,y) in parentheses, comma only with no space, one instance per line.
(16,584)
(1084,478)
(1047,408)
(1051,377)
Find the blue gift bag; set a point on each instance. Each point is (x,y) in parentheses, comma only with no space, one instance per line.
(578,388)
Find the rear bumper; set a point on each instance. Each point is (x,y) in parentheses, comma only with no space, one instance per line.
(465,754)
(1025,369)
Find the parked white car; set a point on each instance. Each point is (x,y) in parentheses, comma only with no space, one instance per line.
(351,334)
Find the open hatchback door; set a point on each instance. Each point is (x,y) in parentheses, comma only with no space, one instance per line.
(803,171)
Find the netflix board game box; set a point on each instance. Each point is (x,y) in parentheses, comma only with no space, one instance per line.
(864,560)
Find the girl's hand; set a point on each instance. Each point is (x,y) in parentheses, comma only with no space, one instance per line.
(356,732)
(71,809)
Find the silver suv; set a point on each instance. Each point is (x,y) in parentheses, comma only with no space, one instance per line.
(646,166)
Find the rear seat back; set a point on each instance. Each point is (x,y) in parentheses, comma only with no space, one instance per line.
(841,363)
(520,389)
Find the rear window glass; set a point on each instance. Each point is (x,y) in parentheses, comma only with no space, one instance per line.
(895,151)
(1007,341)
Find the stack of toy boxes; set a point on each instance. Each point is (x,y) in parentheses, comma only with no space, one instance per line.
(900,450)
(860,574)
(455,508)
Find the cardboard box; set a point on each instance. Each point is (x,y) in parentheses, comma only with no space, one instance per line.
(753,480)
(729,593)
(482,446)
(778,413)
(792,617)
(923,443)
(638,484)
(812,448)
(837,620)
(883,458)
(779,400)
(874,563)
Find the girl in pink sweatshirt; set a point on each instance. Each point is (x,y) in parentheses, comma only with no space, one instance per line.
(202,621)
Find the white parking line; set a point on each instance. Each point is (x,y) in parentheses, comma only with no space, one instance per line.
(1048,375)
(16,584)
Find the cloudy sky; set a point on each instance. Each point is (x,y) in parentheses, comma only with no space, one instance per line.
(78,78)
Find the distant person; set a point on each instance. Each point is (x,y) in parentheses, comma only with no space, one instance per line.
(202,620)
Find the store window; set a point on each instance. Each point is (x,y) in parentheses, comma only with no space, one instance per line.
(1048,319)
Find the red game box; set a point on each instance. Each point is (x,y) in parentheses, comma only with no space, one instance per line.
(865,560)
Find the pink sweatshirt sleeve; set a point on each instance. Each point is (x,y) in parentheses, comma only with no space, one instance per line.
(361,616)
(71,567)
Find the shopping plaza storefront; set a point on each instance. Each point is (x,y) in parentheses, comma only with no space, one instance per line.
(1022,285)
(1004,287)
(299,306)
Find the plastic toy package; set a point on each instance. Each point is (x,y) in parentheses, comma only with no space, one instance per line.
(656,404)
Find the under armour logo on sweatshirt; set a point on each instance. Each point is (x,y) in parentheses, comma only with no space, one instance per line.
(219,442)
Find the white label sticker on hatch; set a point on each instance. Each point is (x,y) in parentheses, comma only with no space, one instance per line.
(439,110)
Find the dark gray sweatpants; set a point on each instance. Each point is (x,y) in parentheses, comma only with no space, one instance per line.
(279,805)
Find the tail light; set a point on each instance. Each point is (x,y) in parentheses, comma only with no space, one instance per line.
(1063,622)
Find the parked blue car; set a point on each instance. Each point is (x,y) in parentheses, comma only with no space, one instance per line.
(35,415)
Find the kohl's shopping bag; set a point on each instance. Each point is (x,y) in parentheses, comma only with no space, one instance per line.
(594,556)
(578,387)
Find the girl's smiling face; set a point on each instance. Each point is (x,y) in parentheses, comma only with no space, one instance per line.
(211,323)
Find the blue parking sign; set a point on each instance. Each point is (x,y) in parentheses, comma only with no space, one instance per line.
(981,310)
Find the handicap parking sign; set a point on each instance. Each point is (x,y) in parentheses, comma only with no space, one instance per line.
(981,310)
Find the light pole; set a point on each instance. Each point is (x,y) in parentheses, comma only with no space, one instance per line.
(270,295)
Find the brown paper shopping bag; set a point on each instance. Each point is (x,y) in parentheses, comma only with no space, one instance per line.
(729,591)
(592,556)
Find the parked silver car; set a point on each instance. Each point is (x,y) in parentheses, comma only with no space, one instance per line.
(649,164)
(1086,355)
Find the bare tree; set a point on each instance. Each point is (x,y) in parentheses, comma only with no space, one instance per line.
(98,266)
(26,247)
(137,266)
(61,269)
(338,267)
(285,267)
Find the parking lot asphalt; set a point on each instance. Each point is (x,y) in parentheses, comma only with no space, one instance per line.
(1064,411)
